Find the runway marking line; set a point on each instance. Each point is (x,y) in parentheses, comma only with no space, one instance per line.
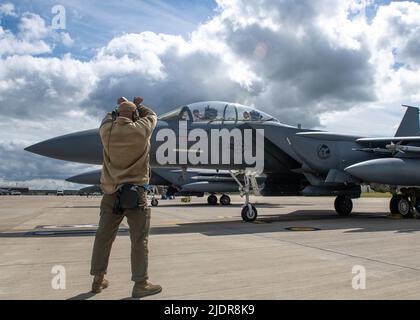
(394,216)
(302,229)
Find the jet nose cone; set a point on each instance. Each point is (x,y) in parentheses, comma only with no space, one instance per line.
(80,179)
(36,148)
(84,147)
(74,179)
(92,177)
(48,148)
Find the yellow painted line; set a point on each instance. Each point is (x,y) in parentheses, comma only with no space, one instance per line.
(302,229)
(394,216)
(171,223)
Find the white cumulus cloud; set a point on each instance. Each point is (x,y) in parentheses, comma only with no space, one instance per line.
(319,63)
(7,9)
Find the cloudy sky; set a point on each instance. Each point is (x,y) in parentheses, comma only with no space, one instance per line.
(344,65)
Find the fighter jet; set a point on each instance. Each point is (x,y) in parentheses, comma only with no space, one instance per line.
(190,182)
(4,192)
(398,169)
(342,163)
(207,135)
(295,161)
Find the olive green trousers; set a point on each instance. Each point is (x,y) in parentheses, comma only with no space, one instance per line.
(139,223)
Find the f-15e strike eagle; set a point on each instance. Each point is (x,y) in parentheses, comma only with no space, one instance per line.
(250,143)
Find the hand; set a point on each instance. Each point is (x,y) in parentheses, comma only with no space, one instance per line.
(137,101)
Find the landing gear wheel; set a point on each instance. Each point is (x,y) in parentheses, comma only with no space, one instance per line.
(393,204)
(343,205)
(417,207)
(249,213)
(225,200)
(154,202)
(212,200)
(404,207)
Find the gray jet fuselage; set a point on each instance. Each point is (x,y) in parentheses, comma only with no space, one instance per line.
(231,121)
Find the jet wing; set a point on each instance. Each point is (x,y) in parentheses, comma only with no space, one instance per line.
(388,140)
(327,136)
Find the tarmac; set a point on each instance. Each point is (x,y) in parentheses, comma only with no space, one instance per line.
(207,252)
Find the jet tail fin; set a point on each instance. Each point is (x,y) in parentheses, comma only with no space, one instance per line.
(410,124)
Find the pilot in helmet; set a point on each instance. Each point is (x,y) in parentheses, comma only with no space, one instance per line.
(197,115)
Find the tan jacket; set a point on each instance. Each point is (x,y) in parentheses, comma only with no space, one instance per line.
(126,147)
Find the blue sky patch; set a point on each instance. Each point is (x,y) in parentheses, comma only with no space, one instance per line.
(92,24)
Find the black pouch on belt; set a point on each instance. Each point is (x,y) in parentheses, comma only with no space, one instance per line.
(128,198)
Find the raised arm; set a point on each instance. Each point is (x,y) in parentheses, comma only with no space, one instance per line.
(147,121)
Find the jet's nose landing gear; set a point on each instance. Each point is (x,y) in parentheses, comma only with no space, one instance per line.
(343,205)
(249,213)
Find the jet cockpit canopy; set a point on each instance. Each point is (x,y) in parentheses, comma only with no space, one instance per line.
(210,111)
